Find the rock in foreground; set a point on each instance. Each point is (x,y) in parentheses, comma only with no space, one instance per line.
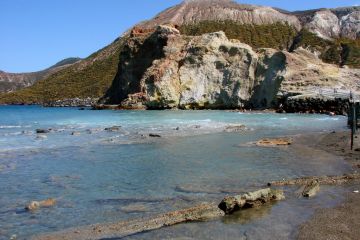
(274,142)
(250,200)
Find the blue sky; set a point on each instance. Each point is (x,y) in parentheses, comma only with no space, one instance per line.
(38,33)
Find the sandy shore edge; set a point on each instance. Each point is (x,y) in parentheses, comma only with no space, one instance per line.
(343,221)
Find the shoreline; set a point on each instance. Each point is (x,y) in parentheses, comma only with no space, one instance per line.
(342,221)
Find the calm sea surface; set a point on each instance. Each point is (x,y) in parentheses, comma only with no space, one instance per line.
(104,176)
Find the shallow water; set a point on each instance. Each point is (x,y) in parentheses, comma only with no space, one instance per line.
(102,176)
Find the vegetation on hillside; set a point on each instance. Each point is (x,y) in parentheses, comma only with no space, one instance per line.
(77,81)
(341,51)
(277,35)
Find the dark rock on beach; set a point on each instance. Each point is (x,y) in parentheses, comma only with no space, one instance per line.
(113,129)
(42,131)
(154,135)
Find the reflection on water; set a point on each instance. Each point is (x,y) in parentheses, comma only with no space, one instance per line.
(103,176)
(248,215)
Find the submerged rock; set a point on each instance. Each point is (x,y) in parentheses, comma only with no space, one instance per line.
(235,128)
(274,142)
(134,208)
(41,137)
(34,205)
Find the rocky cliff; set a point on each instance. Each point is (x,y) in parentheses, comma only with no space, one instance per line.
(332,23)
(165,69)
(10,82)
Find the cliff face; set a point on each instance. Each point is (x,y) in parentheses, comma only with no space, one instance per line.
(165,69)
(332,23)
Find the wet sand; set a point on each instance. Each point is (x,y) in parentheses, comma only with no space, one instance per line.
(342,222)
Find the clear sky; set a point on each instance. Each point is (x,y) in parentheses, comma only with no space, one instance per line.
(35,34)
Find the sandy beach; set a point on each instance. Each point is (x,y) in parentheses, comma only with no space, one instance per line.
(342,222)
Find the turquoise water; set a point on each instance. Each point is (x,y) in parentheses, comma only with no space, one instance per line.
(102,176)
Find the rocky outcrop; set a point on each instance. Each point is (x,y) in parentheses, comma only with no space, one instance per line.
(350,25)
(332,23)
(325,24)
(165,69)
(208,71)
(250,200)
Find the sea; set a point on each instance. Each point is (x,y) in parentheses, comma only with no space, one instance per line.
(100,175)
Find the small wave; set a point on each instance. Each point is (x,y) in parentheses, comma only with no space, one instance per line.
(9,126)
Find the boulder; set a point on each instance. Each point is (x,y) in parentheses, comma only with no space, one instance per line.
(250,200)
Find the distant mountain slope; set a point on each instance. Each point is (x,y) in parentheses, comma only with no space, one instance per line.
(90,77)
(330,34)
(10,82)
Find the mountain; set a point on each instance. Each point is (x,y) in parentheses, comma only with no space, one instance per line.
(213,53)
(10,82)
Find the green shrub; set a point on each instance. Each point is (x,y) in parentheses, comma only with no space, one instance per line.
(277,35)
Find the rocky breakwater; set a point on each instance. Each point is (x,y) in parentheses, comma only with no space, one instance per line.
(163,69)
